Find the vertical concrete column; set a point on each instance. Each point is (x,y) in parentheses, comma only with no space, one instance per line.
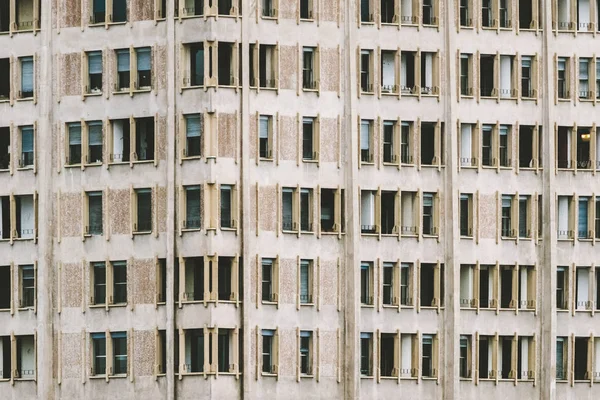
(171,190)
(351,274)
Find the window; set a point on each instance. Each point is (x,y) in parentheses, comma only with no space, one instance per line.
(390,155)
(268,8)
(505,13)
(505,354)
(196,65)
(192,281)
(23,215)
(388,211)
(193,136)
(191,8)
(507,277)
(94,78)
(368,206)
(121,141)
(109,360)
(95,138)
(465,356)
(332,211)
(5,76)
(306,339)
(508,230)
(562,288)
(192,207)
(144,68)
(366,283)
(582,358)
(266,137)
(227,273)
(388,344)
(487,150)
(584,79)
(27,78)
(194,357)
(5,27)
(389,295)
(101,13)
(466,74)
(583,286)
(466,215)
(94,208)
(227,64)
(306,203)
(288,212)
(583,225)
(465,14)
(161,281)
(388,12)
(5,148)
(144,139)
(430,214)
(584,17)
(428,357)
(565,217)
(504,148)
(408,72)
(406,151)
(27,286)
(119,348)
(143,206)
(366,11)
(485,364)
(389,78)
(406,284)
(306,9)
(530,146)
(99,354)
(596,217)
(409,225)
(366,353)
(527,287)
(561,358)
(161,353)
(366,141)
(225,344)
(409,350)
(527,82)
(525,357)
(527,8)
(306,282)
(5,289)
(429,72)
(27,147)
(226,7)
(431,143)
(366,71)
(597,79)
(309,139)
(562,86)
(109,283)
(309,68)
(270,284)
(467,286)
(487,66)
(123,70)
(227,203)
(429,13)
(264,66)
(270,354)
(487,14)
(431,285)
(525,217)
(18,361)
(86,146)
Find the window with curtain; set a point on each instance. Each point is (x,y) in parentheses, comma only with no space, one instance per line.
(582,221)
(365,141)
(192,133)
(95,213)
(74,157)
(144,68)
(94,142)
(584,78)
(95,72)
(265,150)
(123,69)
(27,144)
(144,138)
(26,77)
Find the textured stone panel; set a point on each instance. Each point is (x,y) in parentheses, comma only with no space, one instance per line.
(330,10)
(70,216)
(143,278)
(70,13)
(144,349)
(71,290)
(142,10)
(71,74)
(253,132)
(268,208)
(227,132)
(329,282)
(161,138)
(287,352)
(330,69)
(161,198)
(288,9)
(119,212)
(160,65)
(288,135)
(287,280)
(288,68)
(71,355)
(487,219)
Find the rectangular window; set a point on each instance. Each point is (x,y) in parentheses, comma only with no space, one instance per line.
(193,280)
(226,207)
(366,14)
(527,287)
(432,143)
(504,146)
(582,354)
(466,75)
(144,139)
(406,143)
(5,148)
(196,53)
(597,217)
(119,275)
(224,345)
(268,9)
(5,73)
(524,217)
(408,72)
(332,210)
(366,77)
(306,203)
(144,67)
(583,231)
(388,354)
(562,287)
(429,80)
(94,84)
(266,137)
(161,287)
(432,285)
(119,349)
(429,17)
(488,68)
(366,283)
(306,282)
(225,273)
(487,150)
(143,217)
(366,141)
(121,141)
(95,219)
(389,297)
(467,286)
(507,226)
(410,214)
(27,286)
(27,78)
(466,215)
(366,353)
(269,291)
(465,14)
(308,139)
(428,369)
(99,354)
(123,70)
(429,227)
(465,356)
(368,199)
(269,358)
(406,284)
(561,358)
(584,79)
(505,17)
(192,207)
(5,289)
(562,85)
(487,14)
(99,285)
(308,68)
(389,68)
(194,350)
(288,210)
(583,148)
(119,11)
(193,132)
(389,143)
(95,139)
(387,209)
(306,9)
(24,217)
(27,147)
(306,338)
(526,77)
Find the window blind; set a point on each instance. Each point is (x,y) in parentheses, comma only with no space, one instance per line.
(27,140)
(74,134)
(27,74)
(143,59)
(122,60)
(95,62)
(95,133)
(364,136)
(192,128)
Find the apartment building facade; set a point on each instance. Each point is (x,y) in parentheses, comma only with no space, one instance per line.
(299,198)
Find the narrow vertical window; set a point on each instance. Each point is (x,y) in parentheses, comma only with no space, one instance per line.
(27,78)
(95,72)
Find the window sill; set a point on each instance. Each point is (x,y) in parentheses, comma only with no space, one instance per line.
(72,165)
(263,159)
(121,91)
(191,158)
(429,378)
(432,166)
(389,377)
(367,377)
(142,233)
(363,305)
(562,310)
(269,303)
(583,381)
(390,164)
(409,378)
(268,374)
(465,96)
(372,234)
(25,99)
(228,229)
(96,164)
(27,168)
(564,100)
(466,237)
(22,239)
(309,161)
(95,94)
(306,376)
(192,87)
(228,86)
(24,379)
(410,24)
(432,307)
(119,376)
(98,377)
(583,311)
(465,379)
(332,233)
(307,304)
(589,240)
(467,27)
(142,162)
(26,308)
(367,93)
(427,236)
(145,89)
(562,381)
(409,235)
(268,18)
(309,90)
(390,24)
(508,238)
(386,93)
(184,230)
(269,88)
(118,163)
(367,22)
(307,19)
(367,163)
(289,232)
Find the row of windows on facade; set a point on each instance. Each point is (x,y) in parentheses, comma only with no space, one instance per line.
(503,76)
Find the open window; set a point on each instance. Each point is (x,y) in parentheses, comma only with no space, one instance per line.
(26,146)
(565,215)
(306,9)
(469,145)
(429,14)
(366,283)
(466,74)
(583,288)
(466,214)
(366,11)
(563,78)
(366,353)
(5,148)
(94,82)
(585,17)
(508,286)
(505,13)
(227,278)
(310,139)
(194,55)
(508,76)
(121,141)
(431,143)
(584,78)
(305,284)
(161,281)
(5,77)
(368,211)
(466,13)
(189,8)
(264,66)
(467,286)
(464,367)
(409,71)
(429,73)
(94,223)
(108,11)
(486,357)
(366,71)
(24,217)
(486,280)
(306,352)
(5,290)
(227,64)
(530,146)
(227,7)
(583,150)
(194,282)
(388,354)
(269,8)
(27,286)
(228,207)
(527,287)
(332,211)
(270,280)
(389,71)
(193,348)
(142,216)
(506,357)
(584,213)
(310,68)
(488,14)
(366,141)
(562,288)
(410,214)
(406,143)
(388,208)
(525,217)
(488,70)
(529,14)
(24,14)
(269,351)
(431,285)
(409,355)
(391,143)
(582,358)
